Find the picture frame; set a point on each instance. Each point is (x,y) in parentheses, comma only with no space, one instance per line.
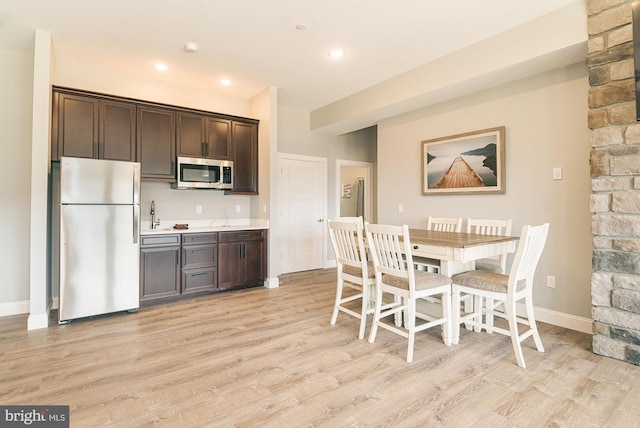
(472,163)
(346,190)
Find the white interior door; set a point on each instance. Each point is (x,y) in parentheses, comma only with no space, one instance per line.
(302,199)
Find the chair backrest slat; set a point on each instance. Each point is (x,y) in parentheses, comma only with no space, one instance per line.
(390,250)
(348,243)
(530,247)
(444,224)
(484,226)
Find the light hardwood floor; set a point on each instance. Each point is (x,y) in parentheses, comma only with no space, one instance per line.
(268,357)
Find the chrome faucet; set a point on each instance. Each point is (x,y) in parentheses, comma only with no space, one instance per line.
(155,222)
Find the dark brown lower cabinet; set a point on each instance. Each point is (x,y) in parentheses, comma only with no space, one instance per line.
(159,267)
(199,260)
(177,265)
(242,258)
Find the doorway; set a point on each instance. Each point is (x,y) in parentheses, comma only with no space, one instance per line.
(354,194)
(302,196)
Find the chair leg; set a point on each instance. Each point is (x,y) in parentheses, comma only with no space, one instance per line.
(339,290)
(532,324)
(488,314)
(468,308)
(477,309)
(411,326)
(455,317)
(446,314)
(397,317)
(366,293)
(376,316)
(510,309)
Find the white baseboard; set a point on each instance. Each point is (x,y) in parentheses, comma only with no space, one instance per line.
(14,308)
(272,282)
(37,321)
(329,264)
(572,322)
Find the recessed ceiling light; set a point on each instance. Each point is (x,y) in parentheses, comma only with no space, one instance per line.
(161,67)
(225,82)
(336,53)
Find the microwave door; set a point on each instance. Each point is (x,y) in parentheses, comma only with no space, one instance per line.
(200,175)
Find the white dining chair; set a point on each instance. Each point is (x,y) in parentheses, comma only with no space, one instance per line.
(495,227)
(443,224)
(353,271)
(390,251)
(505,290)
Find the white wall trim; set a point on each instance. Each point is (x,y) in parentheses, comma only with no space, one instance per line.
(560,319)
(37,321)
(272,282)
(14,308)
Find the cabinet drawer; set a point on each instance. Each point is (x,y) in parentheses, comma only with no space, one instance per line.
(194,280)
(242,235)
(196,256)
(159,240)
(199,238)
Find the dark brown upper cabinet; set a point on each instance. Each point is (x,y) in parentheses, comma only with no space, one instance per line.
(203,136)
(92,125)
(156,143)
(245,158)
(89,127)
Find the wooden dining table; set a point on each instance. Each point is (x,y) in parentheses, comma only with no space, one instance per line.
(458,251)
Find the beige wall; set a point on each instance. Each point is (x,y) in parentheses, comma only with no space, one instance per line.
(16,82)
(294,137)
(545,118)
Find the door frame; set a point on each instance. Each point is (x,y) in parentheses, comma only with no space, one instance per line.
(289,156)
(368,180)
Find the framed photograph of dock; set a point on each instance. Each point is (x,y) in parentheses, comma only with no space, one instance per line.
(471,163)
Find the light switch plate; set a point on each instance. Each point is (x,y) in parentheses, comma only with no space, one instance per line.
(557,173)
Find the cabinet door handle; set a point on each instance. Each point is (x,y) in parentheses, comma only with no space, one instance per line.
(199,251)
(199,274)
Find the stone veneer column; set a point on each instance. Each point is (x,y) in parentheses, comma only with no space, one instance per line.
(615,181)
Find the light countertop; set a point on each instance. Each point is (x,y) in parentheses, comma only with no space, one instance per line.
(200,226)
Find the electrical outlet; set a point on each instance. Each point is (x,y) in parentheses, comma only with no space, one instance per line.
(400,208)
(198,209)
(551,281)
(238,208)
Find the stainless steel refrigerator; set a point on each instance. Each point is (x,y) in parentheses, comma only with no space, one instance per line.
(99,237)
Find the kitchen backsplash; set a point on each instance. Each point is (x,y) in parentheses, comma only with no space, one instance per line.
(178,205)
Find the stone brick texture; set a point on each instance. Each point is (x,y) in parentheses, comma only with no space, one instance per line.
(615,180)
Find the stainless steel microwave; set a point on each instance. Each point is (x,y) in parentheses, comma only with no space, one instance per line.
(196,173)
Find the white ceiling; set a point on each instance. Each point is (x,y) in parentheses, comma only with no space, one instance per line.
(255,43)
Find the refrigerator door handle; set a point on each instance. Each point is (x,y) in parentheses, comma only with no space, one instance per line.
(136,223)
(136,184)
